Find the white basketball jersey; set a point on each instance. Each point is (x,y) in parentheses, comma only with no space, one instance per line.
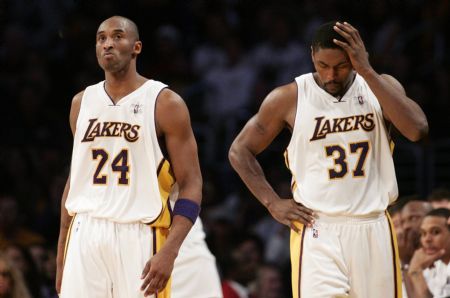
(339,153)
(118,169)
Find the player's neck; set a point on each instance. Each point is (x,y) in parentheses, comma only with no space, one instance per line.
(119,85)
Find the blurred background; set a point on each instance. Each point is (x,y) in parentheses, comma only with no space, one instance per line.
(222,57)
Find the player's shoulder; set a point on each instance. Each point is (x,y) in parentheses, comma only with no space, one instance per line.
(77,98)
(171,111)
(284,96)
(168,99)
(285,91)
(392,81)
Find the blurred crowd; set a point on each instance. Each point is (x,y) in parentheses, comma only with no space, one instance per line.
(222,57)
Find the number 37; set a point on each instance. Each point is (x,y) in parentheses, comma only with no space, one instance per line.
(340,159)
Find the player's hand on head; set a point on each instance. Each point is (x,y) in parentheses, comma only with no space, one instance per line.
(288,212)
(157,272)
(354,47)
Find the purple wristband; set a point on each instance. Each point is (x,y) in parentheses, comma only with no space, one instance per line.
(186,208)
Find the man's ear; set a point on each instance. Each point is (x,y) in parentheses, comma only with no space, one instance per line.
(137,48)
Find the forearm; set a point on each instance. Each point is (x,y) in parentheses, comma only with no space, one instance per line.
(64,222)
(61,245)
(415,284)
(178,232)
(404,113)
(247,166)
(63,231)
(189,189)
(192,189)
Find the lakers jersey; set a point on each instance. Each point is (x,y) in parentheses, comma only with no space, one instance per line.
(118,171)
(339,154)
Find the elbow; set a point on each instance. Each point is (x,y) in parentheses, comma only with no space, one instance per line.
(420,132)
(233,155)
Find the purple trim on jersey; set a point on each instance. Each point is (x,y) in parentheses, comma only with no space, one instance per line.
(161,163)
(154,240)
(393,258)
(300,262)
(110,98)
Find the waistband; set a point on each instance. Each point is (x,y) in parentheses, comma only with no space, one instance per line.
(349,219)
(88,215)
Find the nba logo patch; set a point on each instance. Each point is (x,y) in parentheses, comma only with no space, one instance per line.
(136,108)
(315,232)
(360,99)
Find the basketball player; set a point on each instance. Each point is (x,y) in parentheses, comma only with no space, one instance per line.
(343,177)
(115,213)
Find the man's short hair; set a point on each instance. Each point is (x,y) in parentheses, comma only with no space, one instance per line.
(324,35)
(440,212)
(439,194)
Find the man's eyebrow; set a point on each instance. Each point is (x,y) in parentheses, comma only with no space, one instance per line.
(114,31)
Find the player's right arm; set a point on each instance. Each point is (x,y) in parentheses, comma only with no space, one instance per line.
(65,217)
(276,112)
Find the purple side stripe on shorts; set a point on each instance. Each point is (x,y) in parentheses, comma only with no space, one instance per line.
(300,262)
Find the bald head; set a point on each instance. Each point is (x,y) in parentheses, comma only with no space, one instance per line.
(413,213)
(123,23)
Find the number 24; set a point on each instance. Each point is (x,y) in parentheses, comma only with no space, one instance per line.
(119,164)
(341,162)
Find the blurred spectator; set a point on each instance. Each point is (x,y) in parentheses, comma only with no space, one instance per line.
(227,98)
(240,272)
(11,231)
(210,53)
(439,198)
(280,56)
(275,235)
(11,281)
(268,283)
(48,275)
(409,241)
(395,211)
(429,270)
(169,63)
(23,261)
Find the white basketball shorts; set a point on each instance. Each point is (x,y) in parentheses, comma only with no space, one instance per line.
(105,259)
(346,257)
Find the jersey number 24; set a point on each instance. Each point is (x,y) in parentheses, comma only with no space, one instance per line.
(119,164)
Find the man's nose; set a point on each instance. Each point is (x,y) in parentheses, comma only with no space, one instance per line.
(108,43)
(426,238)
(331,74)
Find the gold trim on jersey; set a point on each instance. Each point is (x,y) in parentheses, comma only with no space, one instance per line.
(159,238)
(286,161)
(296,248)
(166,180)
(396,259)
(69,232)
(392,146)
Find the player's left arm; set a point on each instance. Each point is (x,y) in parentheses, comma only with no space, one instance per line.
(399,109)
(173,123)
